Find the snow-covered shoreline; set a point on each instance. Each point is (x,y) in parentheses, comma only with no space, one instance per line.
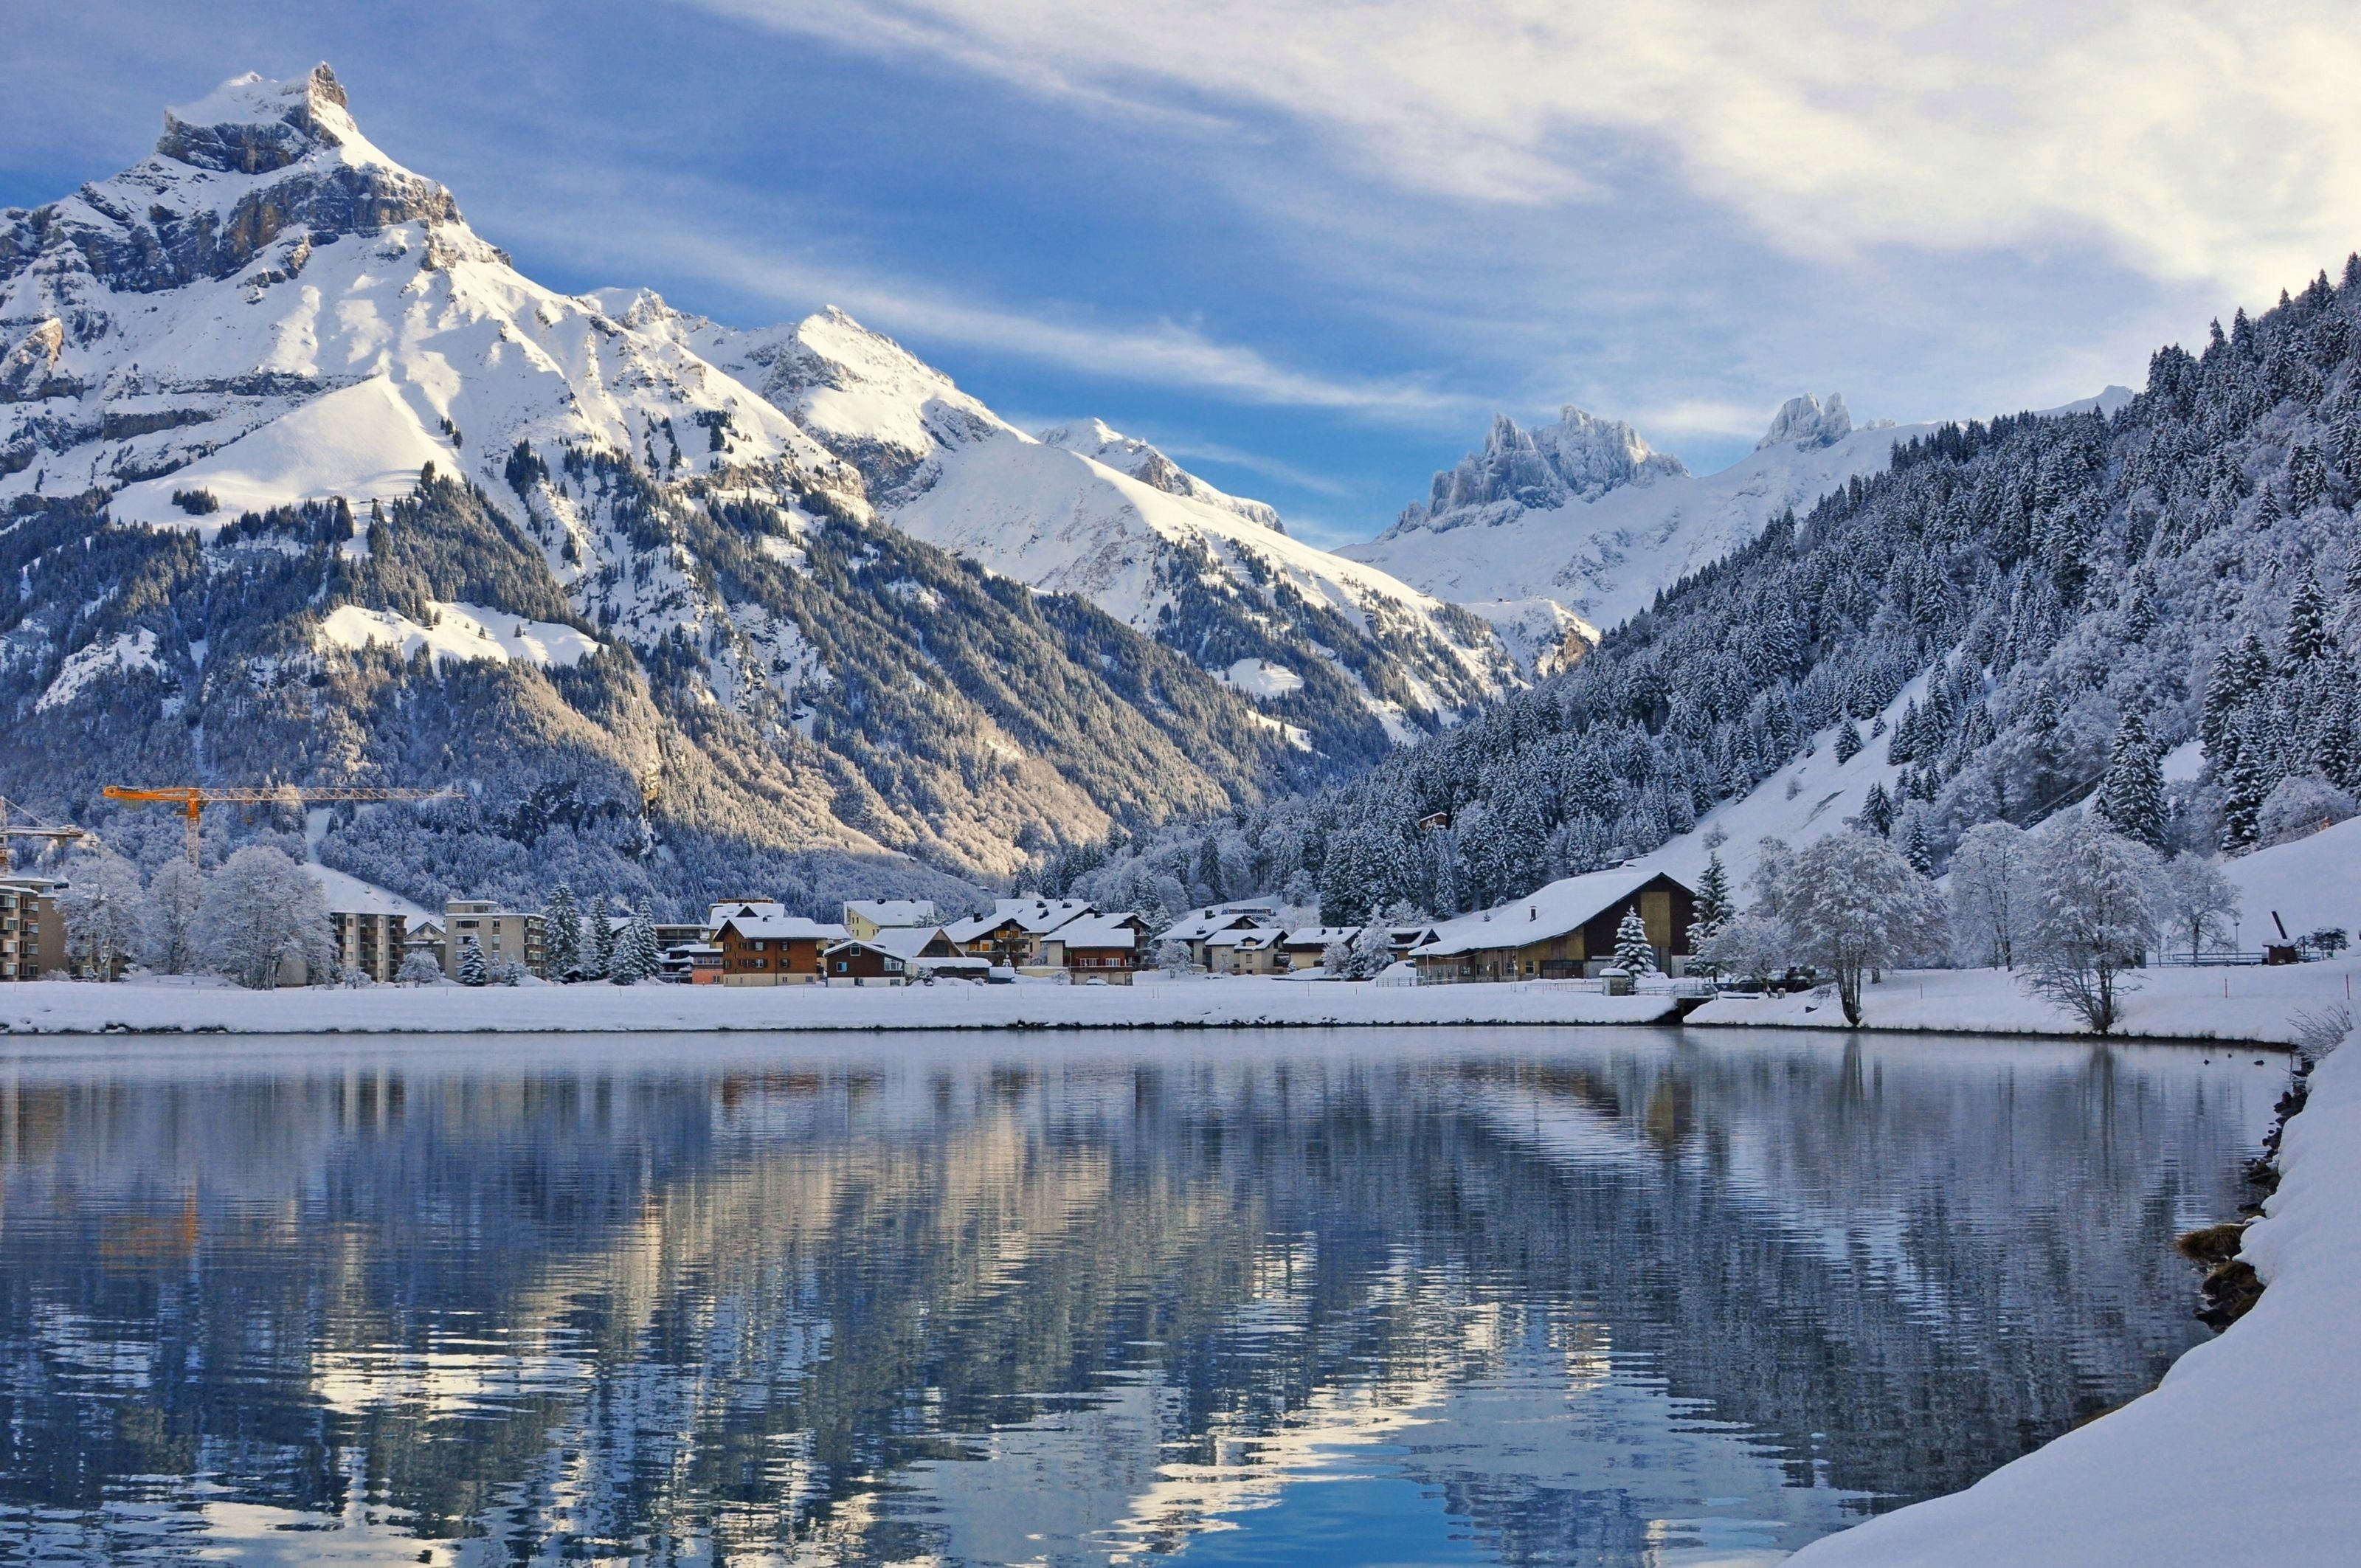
(48,1008)
(2253,1006)
(2250,1448)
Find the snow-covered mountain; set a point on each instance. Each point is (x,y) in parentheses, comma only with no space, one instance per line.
(301,477)
(1511,529)
(1366,660)
(1581,524)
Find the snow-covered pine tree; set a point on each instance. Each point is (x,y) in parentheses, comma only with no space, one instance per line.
(1915,846)
(1848,743)
(1877,811)
(1634,954)
(561,935)
(2130,796)
(636,957)
(1713,905)
(473,969)
(2307,625)
(598,941)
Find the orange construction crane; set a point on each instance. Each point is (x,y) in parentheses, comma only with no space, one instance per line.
(193,798)
(66,835)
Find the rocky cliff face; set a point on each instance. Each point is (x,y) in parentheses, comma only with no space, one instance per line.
(1580,458)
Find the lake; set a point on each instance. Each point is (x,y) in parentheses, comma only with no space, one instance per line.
(1596,1296)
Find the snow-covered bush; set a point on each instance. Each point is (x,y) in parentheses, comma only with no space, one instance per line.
(261,913)
(175,894)
(1850,904)
(2299,804)
(355,978)
(105,915)
(2096,896)
(1748,946)
(418,968)
(1992,894)
(1172,956)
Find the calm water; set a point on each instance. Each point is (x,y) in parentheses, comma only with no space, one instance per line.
(1598,1297)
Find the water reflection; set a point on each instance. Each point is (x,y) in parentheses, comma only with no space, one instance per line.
(1598,1297)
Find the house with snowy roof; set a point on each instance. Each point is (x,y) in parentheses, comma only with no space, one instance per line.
(865,917)
(1198,925)
(1012,934)
(1095,949)
(898,955)
(1245,950)
(774,950)
(1566,930)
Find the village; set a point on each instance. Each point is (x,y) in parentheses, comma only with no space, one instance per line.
(1608,928)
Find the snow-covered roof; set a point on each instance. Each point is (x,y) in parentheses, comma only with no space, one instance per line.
(1039,914)
(1200,923)
(1541,915)
(1098,931)
(782,928)
(1319,936)
(1253,938)
(890,911)
(751,908)
(905,941)
(348,895)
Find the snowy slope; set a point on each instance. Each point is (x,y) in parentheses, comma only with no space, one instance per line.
(2312,882)
(1084,508)
(1601,538)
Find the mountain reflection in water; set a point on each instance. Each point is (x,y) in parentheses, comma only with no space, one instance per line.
(1599,1297)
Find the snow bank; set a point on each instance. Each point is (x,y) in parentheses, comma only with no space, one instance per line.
(66,1006)
(363,443)
(1260,677)
(460,632)
(2250,1450)
(2249,1004)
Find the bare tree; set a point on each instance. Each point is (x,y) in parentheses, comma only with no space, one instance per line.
(260,912)
(2095,916)
(175,895)
(1992,897)
(2194,896)
(1851,903)
(105,912)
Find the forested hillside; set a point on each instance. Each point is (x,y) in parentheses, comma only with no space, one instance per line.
(2188,559)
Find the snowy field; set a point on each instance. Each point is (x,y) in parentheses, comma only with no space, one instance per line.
(2249,1452)
(55,1006)
(2242,1003)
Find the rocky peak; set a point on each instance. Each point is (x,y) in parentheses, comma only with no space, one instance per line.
(252,125)
(1806,423)
(1581,457)
(1101,442)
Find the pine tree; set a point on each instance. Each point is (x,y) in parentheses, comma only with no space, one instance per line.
(1848,743)
(2307,624)
(561,935)
(2242,801)
(1713,908)
(1915,850)
(599,951)
(1877,811)
(636,956)
(473,971)
(1633,953)
(2130,798)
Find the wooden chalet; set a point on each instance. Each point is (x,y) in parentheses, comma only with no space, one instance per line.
(1566,930)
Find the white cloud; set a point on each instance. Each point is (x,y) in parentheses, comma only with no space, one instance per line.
(2192,140)
(1162,353)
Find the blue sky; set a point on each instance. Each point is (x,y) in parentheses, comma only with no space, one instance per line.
(1310,249)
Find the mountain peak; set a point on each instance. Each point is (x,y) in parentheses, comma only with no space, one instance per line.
(1103,443)
(1806,423)
(252,125)
(1581,457)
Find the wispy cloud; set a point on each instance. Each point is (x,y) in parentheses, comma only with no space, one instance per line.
(2190,140)
(1193,450)
(1162,353)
